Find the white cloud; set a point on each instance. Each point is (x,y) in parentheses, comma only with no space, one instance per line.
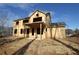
(23,5)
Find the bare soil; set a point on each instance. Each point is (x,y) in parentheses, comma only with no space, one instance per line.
(66,46)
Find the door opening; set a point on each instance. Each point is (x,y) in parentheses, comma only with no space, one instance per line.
(32,31)
(27,32)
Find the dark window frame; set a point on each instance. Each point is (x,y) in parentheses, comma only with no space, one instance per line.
(27,31)
(15,31)
(25,21)
(32,31)
(42,30)
(38,30)
(17,22)
(37,14)
(37,19)
(46,29)
(21,31)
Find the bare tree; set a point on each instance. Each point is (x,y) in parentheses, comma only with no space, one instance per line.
(76,31)
(3,21)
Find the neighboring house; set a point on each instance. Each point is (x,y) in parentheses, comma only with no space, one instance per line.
(39,26)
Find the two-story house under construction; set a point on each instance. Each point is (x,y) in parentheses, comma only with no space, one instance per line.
(39,26)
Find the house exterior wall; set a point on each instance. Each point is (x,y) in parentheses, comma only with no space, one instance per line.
(18,27)
(40,15)
(48,20)
(30,33)
(37,35)
(58,32)
(48,33)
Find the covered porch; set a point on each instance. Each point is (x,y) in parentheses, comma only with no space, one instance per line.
(35,30)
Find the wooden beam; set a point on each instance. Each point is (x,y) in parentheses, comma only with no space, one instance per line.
(51,32)
(45,31)
(40,31)
(24,30)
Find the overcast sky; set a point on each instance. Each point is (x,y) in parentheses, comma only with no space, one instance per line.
(68,13)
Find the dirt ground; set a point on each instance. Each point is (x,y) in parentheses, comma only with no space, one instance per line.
(66,46)
(53,47)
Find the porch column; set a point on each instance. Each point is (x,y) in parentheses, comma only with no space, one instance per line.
(40,31)
(24,32)
(46,31)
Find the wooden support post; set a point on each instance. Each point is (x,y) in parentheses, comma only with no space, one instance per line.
(18,30)
(51,32)
(24,31)
(40,31)
(36,33)
(46,32)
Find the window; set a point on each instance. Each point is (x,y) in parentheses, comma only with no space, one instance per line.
(38,31)
(22,31)
(37,14)
(15,31)
(37,19)
(32,31)
(46,29)
(27,31)
(42,31)
(17,22)
(25,21)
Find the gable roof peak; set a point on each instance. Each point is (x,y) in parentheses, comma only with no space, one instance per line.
(46,13)
(40,11)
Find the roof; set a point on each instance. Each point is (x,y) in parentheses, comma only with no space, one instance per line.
(58,24)
(27,18)
(47,13)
